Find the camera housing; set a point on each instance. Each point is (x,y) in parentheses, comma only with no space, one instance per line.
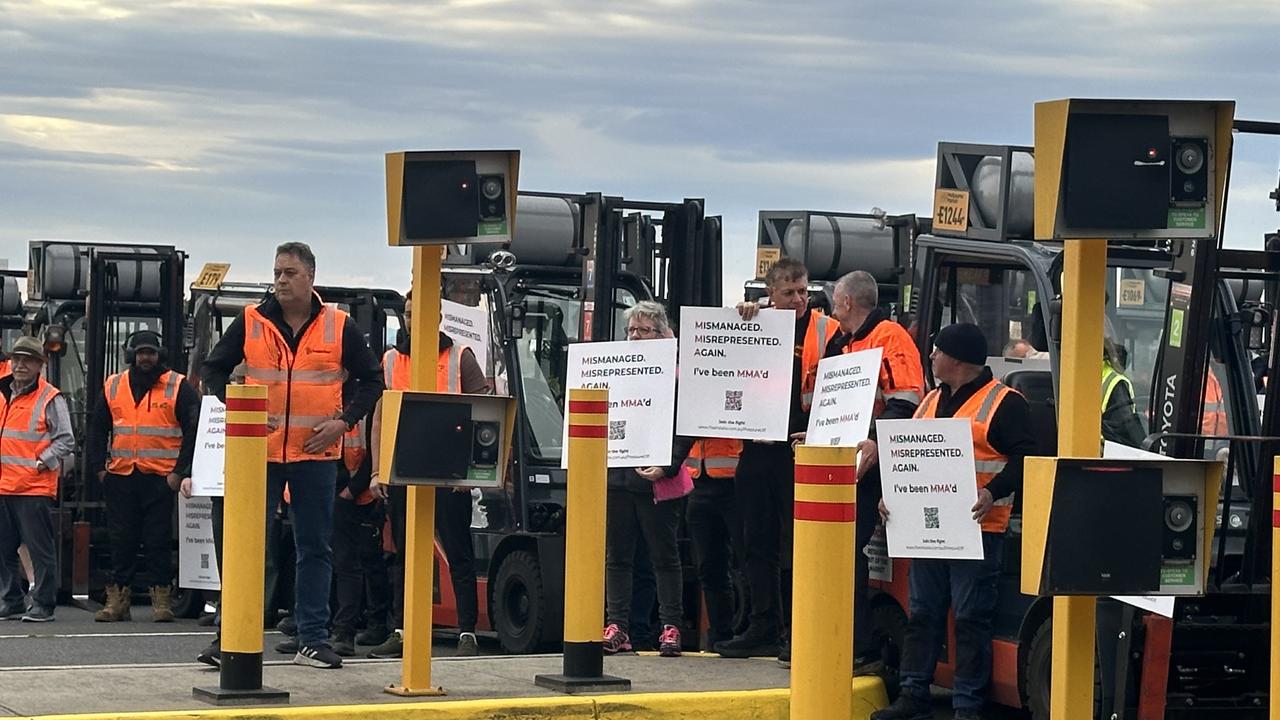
(451,197)
(446,439)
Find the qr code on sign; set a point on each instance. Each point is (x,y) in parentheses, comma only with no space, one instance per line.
(733,400)
(617,429)
(931,519)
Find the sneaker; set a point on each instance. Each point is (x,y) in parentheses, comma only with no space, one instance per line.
(317,656)
(288,647)
(467,646)
(12,612)
(615,640)
(967,714)
(375,635)
(343,646)
(38,614)
(752,643)
(211,655)
(392,647)
(288,626)
(906,707)
(669,641)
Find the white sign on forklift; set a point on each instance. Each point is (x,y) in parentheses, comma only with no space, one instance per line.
(206,463)
(930,487)
(735,379)
(641,378)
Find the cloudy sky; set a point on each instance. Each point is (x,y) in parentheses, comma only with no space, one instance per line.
(228,127)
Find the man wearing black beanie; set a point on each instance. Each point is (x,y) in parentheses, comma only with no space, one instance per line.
(1001,422)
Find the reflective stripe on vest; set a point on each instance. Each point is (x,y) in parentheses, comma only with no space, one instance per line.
(395,370)
(718,455)
(821,329)
(24,435)
(988,462)
(145,434)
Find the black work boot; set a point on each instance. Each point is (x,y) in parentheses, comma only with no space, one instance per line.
(906,707)
(752,643)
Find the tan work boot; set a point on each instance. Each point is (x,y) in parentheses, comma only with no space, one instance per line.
(117,608)
(161,603)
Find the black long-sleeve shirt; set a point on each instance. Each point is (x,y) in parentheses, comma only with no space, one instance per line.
(186,408)
(358,360)
(1009,433)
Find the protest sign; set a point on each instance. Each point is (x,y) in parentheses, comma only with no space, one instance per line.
(735,378)
(197,562)
(930,487)
(879,563)
(469,327)
(206,463)
(641,379)
(843,398)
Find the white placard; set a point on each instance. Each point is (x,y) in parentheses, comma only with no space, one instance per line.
(197,562)
(469,327)
(735,379)
(878,561)
(930,487)
(641,379)
(207,462)
(843,398)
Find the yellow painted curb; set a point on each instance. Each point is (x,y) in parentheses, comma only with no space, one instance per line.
(774,704)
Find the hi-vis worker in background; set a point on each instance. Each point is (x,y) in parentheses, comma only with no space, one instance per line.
(303,351)
(765,483)
(1120,421)
(150,414)
(899,388)
(35,436)
(456,371)
(1001,423)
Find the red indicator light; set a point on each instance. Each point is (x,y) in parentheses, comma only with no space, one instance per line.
(1151,153)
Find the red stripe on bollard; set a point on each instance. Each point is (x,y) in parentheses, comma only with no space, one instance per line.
(589,431)
(246,430)
(1275,483)
(825,475)
(1275,518)
(825,511)
(588,406)
(246,404)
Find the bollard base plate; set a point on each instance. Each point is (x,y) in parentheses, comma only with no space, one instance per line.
(261,696)
(403,691)
(575,685)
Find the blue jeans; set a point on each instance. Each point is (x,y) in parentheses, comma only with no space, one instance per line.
(971,586)
(312,488)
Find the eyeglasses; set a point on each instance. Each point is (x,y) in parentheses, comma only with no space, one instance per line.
(642,331)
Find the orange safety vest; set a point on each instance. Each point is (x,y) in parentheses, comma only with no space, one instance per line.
(988,462)
(901,372)
(145,436)
(821,330)
(24,434)
(304,387)
(6,368)
(1213,419)
(718,455)
(395,370)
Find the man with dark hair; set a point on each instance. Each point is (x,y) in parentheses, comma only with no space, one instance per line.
(303,351)
(150,414)
(764,483)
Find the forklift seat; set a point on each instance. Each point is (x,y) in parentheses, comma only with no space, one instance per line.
(1037,387)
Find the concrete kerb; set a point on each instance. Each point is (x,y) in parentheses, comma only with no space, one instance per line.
(868,695)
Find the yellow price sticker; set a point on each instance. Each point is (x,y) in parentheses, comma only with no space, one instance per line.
(951,210)
(211,276)
(1133,292)
(766,258)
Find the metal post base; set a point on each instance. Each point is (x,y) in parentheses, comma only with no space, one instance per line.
(575,685)
(261,696)
(403,691)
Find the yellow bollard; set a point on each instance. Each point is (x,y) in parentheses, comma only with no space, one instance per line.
(244,553)
(420,516)
(584,539)
(822,583)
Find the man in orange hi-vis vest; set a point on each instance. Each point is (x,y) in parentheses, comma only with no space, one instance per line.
(304,352)
(35,436)
(142,436)
(1001,422)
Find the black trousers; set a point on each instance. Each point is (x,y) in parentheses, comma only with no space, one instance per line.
(28,519)
(453,526)
(360,571)
(869,494)
(716,530)
(139,517)
(765,493)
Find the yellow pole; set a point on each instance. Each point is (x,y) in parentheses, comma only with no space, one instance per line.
(584,540)
(420,518)
(1084,279)
(244,551)
(1275,601)
(822,583)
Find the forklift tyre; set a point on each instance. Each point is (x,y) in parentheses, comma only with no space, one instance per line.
(1039,674)
(519,607)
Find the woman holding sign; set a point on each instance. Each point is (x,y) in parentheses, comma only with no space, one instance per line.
(635,509)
